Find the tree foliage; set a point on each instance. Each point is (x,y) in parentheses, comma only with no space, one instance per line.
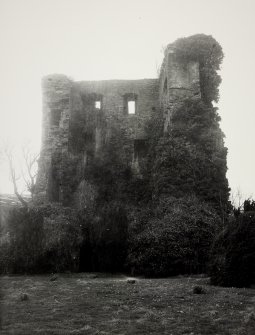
(249,205)
(233,253)
(175,239)
(40,239)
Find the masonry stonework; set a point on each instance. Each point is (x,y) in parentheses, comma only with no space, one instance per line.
(77,119)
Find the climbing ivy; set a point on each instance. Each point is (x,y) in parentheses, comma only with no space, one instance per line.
(191,158)
(208,52)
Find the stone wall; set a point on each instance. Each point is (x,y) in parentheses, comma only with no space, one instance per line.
(114,95)
(178,81)
(56,91)
(78,120)
(75,129)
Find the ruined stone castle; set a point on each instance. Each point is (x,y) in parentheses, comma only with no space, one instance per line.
(69,107)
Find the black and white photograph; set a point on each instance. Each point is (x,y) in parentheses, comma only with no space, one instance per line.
(127,167)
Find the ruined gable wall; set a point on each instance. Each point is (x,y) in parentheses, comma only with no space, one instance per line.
(114,95)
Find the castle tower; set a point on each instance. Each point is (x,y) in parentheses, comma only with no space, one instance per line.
(179,80)
(78,118)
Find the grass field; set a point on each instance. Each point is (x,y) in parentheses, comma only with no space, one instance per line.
(88,304)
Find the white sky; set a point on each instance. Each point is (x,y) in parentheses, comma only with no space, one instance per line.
(107,39)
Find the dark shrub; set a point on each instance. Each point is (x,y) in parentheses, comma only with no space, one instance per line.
(40,239)
(233,253)
(177,240)
(109,237)
(62,241)
(22,243)
(249,205)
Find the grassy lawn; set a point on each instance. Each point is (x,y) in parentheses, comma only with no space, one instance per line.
(82,304)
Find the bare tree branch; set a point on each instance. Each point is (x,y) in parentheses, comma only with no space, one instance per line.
(14,178)
(29,177)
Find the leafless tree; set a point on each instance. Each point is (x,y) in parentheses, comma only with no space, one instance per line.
(28,173)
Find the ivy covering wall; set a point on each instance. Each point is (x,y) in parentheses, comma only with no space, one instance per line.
(169,206)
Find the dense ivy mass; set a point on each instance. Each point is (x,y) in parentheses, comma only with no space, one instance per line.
(191,158)
(207,51)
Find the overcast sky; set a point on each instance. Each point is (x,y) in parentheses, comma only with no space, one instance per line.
(111,39)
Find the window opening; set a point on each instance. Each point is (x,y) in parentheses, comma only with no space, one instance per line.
(131,107)
(98,104)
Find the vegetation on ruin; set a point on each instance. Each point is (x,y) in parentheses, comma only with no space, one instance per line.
(208,52)
(161,221)
(191,157)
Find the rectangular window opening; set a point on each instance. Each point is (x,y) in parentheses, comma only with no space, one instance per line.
(131,107)
(98,104)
